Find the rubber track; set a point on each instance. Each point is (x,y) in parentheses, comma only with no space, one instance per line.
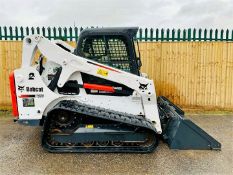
(106,114)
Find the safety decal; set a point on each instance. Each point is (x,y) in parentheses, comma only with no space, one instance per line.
(50,76)
(102,72)
(89,126)
(28,102)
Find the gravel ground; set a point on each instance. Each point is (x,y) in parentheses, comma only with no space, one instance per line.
(21,153)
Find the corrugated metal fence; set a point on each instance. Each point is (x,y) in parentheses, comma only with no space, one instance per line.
(192,74)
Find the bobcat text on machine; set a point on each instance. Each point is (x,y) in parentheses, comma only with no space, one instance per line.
(95,99)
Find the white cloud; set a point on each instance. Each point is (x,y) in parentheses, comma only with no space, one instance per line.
(144,13)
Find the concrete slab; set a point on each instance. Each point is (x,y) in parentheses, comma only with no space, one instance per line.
(21,153)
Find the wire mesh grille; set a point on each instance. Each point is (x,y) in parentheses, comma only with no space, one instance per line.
(107,50)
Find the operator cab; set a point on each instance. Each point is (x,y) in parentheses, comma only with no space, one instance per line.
(110,46)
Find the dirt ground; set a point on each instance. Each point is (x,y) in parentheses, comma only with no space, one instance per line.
(21,153)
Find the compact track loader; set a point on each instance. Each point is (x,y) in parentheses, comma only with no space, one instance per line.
(95,99)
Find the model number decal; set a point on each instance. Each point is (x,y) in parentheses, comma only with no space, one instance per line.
(31,76)
(102,72)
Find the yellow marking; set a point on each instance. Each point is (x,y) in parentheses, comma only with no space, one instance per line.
(102,72)
(89,126)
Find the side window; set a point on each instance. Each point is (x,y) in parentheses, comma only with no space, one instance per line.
(108,50)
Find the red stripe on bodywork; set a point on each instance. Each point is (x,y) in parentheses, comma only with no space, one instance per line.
(13,95)
(105,67)
(23,96)
(98,87)
(26,96)
(108,68)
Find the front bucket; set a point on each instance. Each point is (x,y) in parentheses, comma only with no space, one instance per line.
(181,133)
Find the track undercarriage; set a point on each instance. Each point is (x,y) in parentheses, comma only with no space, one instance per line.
(75,127)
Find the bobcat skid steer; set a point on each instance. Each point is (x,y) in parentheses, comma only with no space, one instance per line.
(95,99)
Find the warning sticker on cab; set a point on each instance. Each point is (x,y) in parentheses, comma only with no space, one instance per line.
(102,72)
